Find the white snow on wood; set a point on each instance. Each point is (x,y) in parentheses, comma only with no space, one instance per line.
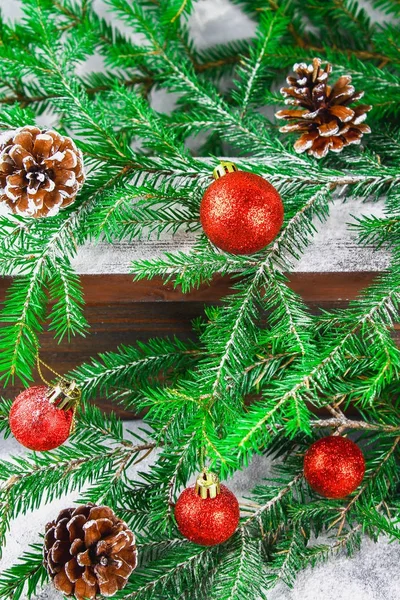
(333,248)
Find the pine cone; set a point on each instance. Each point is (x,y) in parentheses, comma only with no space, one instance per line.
(325,119)
(40,171)
(88,550)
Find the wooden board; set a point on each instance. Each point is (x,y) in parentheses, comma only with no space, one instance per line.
(332,270)
(333,248)
(122,312)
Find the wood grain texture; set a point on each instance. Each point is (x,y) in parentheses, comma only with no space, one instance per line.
(122,312)
(315,288)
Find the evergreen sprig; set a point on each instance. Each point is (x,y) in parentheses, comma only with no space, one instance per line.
(136,366)
(264,375)
(26,576)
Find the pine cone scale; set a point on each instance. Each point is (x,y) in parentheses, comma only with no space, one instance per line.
(328,129)
(63,584)
(341,90)
(294,127)
(343,113)
(88,577)
(83,558)
(25,139)
(61,530)
(306,141)
(364,128)
(74,527)
(73,570)
(360,113)
(89,551)
(42,145)
(323,117)
(77,546)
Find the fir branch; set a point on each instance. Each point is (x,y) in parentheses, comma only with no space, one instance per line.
(380,519)
(273,501)
(380,307)
(24,577)
(173,467)
(371,480)
(377,231)
(239,316)
(349,541)
(180,78)
(26,482)
(25,310)
(5,406)
(288,559)
(91,421)
(345,424)
(139,365)
(271,28)
(66,317)
(175,10)
(389,6)
(142,211)
(238,573)
(27,303)
(164,576)
(189,270)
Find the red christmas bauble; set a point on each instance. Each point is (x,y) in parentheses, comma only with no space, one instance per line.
(207,521)
(37,423)
(334,466)
(241,213)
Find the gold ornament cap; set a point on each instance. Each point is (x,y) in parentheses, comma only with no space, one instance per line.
(207,485)
(224,167)
(65,394)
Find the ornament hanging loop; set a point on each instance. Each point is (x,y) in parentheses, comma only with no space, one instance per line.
(208,485)
(224,167)
(65,394)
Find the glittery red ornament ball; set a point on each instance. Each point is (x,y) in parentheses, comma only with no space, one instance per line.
(241,213)
(334,466)
(37,423)
(207,521)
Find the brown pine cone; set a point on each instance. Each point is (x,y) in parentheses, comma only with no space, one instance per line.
(324,117)
(88,550)
(41,171)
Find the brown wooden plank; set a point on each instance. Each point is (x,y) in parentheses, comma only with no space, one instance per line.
(120,289)
(122,312)
(313,287)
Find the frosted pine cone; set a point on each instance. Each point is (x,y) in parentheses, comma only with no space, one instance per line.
(41,171)
(323,117)
(89,551)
